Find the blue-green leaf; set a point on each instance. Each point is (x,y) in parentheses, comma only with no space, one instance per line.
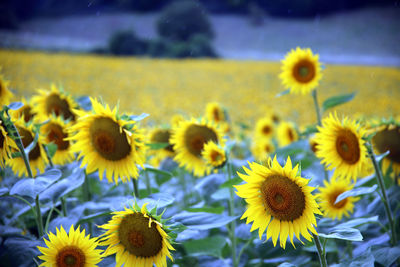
(365,259)
(350,234)
(336,100)
(160,200)
(138,117)
(220,194)
(357,222)
(232,182)
(209,246)
(287,91)
(202,220)
(15,105)
(356,192)
(84,102)
(387,256)
(157,171)
(3,191)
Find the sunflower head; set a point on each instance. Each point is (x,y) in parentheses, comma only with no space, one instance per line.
(313,144)
(287,133)
(162,136)
(215,112)
(54,102)
(278,200)
(6,142)
(189,139)
(37,156)
(176,119)
(327,198)
(214,155)
(26,111)
(137,237)
(74,249)
(301,71)
(265,128)
(5,93)
(340,146)
(262,148)
(56,131)
(108,143)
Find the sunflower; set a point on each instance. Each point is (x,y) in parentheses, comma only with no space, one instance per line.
(55,131)
(54,101)
(189,139)
(216,113)
(5,143)
(74,249)
(387,138)
(301,71)
(37,156)
(313,144)
(25,111)
(214,155)
(278,199)
(262,148)
(5,94)
(158,135)
(265,128)
(176,119)
(137,237)
(340,146)
(287,133)
(329,193)
(107,143)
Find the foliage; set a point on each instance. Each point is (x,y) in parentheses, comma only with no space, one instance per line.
(124,43)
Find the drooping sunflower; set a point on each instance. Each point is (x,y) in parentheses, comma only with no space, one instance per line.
(189,138)
(265,128)
(387,138)
(340,146)
(6,142)
(25,111)
(328,195)
(55,102)
(301,71)
(287,133)
(137,237)
(278,200)
(107,143)
(5,94)
(214,155)
(74,249)
(55,131)
(262,149)
(37,156)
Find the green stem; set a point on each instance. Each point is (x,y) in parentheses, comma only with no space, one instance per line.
(319,121)
(39,219)
(321,254)
(147,180)
(86,197)
(46,226)
(64,206)
(135,187)
(384,196)
(232,213)
(48,156)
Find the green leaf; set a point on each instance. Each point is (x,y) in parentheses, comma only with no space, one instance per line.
(232,182)
(220,194)
(3,191)
(29,148)
(217,210)
(356,192)
(202,220)
(310,129)
(336,100)
(51,148)
(357,222)
(365,259)
(387,256)
(210,246)
(156,146)
(287,91)
(349,234)
(157,171)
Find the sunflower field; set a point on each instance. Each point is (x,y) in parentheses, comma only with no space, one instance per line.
(140,162)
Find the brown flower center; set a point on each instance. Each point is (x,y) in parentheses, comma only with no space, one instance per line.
(58,106)
(216,114)
(266,129)
(27,138)
(332,198)
(196,136)
(347,146)
(56,135)
(162,136)
(70,256)
(304,71)
(290,135)
(26,111)
(388,140)
(283,198)
(108,140)
(215,156)
(137,237)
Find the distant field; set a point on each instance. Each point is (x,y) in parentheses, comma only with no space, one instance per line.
(166,87)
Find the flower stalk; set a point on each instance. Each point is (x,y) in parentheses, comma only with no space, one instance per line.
(321,252)
(232,213)
(39,219)
(135,188)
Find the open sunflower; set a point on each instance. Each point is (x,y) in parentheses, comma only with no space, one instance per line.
(25,111)
(37,156)
(107,143)
(189,138)
(137,237)
(301,71)
(340,146)
(55,131)
(216,113)
(265,128)
(6,142)
(5,94)
(262,148)
(74,249)
(387,138)
(214,155)
(286,133)
(159,135)
(278,199)
(328,195)
(55,102)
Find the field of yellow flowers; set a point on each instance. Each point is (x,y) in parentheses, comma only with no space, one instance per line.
(206,163)
(166,87)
